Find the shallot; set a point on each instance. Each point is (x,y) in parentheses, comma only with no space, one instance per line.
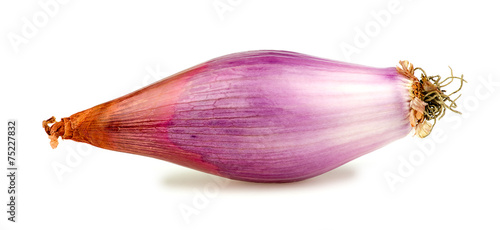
(265,116)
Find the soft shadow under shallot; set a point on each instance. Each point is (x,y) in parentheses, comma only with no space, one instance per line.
(190,178)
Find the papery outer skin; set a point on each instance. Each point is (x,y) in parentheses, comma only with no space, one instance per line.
(262,116)
(138,123)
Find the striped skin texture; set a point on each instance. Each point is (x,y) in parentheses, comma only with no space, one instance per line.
(137,123)
(261,116)
(276,116)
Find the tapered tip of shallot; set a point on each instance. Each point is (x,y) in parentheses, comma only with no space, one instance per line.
(54,131)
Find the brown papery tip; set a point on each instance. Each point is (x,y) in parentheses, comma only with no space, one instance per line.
(54,131)
(428,102)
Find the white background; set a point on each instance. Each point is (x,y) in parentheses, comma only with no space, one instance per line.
(83,53)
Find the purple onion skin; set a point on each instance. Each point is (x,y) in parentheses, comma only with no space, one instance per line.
(276,116)
(261,116)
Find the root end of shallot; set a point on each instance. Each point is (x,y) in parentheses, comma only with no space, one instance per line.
(428,101)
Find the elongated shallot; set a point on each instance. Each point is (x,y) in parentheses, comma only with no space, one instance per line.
(264,116)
